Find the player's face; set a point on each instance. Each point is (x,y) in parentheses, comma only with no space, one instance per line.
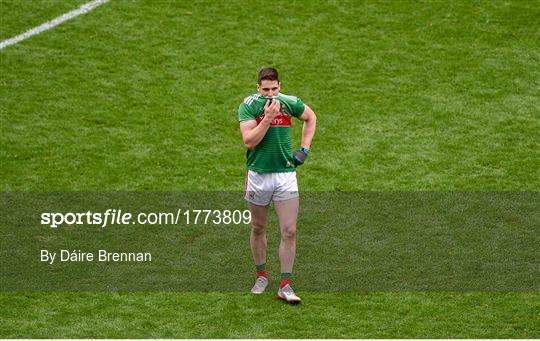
(268,88)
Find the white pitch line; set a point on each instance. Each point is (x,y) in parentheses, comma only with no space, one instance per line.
(52,23)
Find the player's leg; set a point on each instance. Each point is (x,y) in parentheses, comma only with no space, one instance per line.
(286,203)
(259,199)
(258,241)
(287,212)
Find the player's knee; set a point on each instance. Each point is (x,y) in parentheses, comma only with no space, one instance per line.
(288,232)
(258,228)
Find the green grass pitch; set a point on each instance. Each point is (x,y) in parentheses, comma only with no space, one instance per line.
(142,96)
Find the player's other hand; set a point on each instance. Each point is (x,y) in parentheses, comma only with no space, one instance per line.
(271,110)
(300,156)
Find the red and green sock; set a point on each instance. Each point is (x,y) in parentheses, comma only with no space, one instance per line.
(286,278)
(261,270)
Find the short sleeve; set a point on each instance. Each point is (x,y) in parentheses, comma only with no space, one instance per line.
(245,113)
(297,107)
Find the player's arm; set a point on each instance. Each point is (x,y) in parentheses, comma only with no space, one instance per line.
(253,133)
(308,130)
(310,124)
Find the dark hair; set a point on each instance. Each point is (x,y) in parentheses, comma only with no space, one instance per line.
(268,74)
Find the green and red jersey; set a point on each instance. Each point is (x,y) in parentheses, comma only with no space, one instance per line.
(274,153)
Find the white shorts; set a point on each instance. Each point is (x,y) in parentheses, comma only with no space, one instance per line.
(261,188)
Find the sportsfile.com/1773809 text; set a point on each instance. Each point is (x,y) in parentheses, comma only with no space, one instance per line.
(117,217)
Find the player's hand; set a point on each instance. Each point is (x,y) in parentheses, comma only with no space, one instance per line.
(300,156)
(271,110)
